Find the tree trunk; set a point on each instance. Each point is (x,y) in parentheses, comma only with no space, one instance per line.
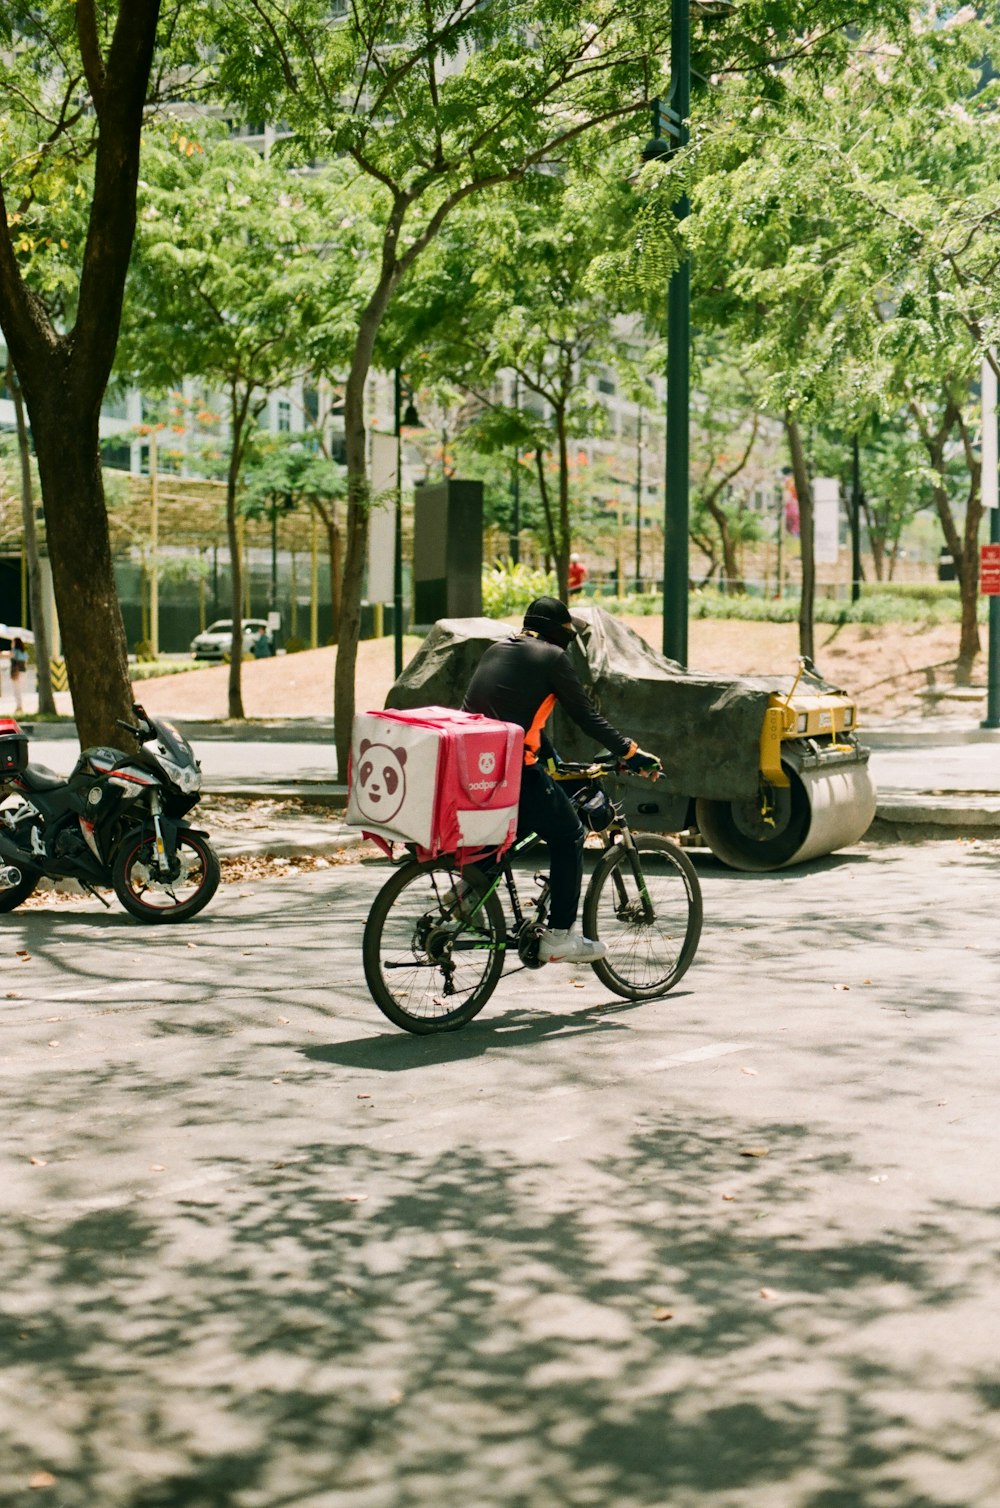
(964,551)
(239,409)
(969,643)
(43,675)
(63,375)
(335,545)
(551,552)
(803,487)
(95,650)
(731,573)
(235,602)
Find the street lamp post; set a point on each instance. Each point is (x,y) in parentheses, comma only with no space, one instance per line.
(672,119)
(515,522)
(638,500)
(412,420)
(991,498)
(855,520)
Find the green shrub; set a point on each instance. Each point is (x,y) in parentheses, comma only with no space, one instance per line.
(144,651)
(642,605)
(508,588)
(919,591)
(870,608)
(294,645)
(149,670)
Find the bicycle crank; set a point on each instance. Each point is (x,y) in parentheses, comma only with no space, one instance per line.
(528,940)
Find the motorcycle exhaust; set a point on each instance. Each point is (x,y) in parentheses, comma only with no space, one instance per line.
(10,876)
(14,861)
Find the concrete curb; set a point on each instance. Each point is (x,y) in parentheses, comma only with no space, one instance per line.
(957,809)
(927,734)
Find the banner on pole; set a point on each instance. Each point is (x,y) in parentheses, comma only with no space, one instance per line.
(826,527)
(990,483)
(989,570)
(382,519)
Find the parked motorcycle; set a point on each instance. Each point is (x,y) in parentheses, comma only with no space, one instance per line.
(117,821)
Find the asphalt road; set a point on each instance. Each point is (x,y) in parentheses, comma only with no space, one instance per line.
(736,1249)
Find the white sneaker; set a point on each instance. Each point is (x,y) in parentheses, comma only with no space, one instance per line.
(563,945)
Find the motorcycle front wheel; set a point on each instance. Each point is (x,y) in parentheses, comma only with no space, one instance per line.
(152,898)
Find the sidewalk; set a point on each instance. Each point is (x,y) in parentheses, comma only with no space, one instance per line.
(939,782)
(935,777)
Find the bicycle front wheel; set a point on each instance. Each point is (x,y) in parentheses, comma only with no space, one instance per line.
(645,906)
(434,946)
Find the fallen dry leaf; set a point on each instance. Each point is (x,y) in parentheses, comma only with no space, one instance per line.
(282,1020)
(729,1197)
(768,1293)
(22,954)
(364,1096)
(41,1479)
(277,1081)
(13,995)
(751,1071)
(663,1314)
(38,1162)
(842,986)
(754,1151)
(53,1043)
(353,1198)
(157,1167)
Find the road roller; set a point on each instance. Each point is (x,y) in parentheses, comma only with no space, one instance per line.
(765,770)
(815,793)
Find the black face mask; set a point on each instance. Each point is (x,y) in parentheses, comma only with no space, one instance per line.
(552,633)
(563,637)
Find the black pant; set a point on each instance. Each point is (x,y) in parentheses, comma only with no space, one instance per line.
(545,809)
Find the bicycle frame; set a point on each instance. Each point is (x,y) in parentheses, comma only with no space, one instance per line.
(618,831)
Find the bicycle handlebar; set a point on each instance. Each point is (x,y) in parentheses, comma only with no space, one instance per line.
(604,764)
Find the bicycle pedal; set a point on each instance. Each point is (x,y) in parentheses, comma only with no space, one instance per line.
(541,879)
(527,945)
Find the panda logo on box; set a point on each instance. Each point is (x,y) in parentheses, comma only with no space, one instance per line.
(381,788)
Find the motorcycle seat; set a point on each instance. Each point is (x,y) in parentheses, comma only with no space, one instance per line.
(35,777)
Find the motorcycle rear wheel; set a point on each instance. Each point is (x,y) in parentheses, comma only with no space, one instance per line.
(18,893)
(151,899)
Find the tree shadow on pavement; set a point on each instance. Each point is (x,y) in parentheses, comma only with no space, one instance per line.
(665,1324)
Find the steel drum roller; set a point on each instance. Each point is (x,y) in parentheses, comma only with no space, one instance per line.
(822,810)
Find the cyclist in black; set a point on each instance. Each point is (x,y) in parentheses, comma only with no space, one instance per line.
(520,680)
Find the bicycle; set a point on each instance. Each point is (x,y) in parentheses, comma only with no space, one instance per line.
(437,937)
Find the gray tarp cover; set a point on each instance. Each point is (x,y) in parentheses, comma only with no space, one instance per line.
(705,728)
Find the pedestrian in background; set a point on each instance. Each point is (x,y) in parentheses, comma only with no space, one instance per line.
(18,670)
(576,575)
(262,646)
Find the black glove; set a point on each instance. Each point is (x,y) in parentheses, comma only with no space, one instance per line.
(641,763)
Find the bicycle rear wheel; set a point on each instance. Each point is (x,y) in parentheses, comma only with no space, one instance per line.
(645,906)
(434,946)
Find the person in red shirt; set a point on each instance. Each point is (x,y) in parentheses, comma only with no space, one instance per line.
(576,575)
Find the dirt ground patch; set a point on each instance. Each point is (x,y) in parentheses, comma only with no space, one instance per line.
(883,667)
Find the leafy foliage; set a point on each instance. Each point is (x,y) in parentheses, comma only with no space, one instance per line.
(508,588)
